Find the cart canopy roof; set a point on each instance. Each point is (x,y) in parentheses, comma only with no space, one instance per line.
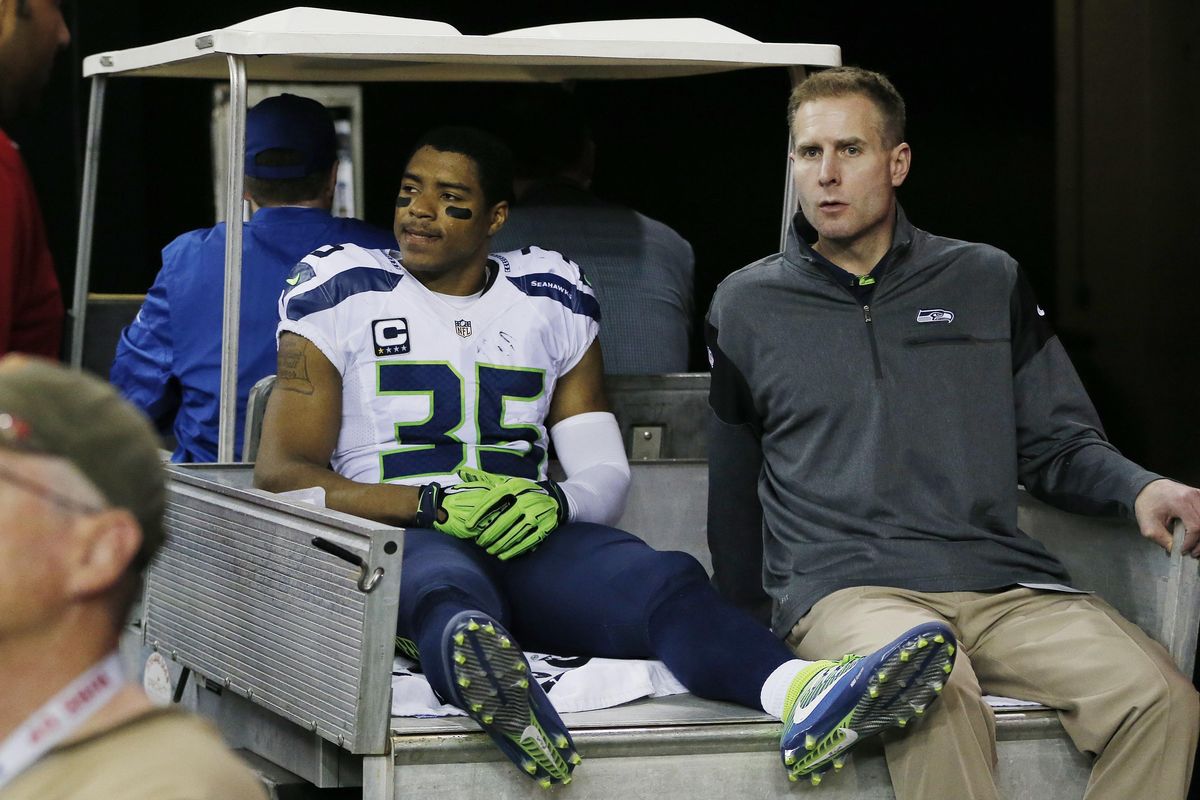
(316,45)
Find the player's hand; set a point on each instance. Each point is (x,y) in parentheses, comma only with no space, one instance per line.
(517,514)
(452,509)
(1163,501)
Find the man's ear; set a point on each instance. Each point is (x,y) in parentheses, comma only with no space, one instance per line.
(499,217)
(331,185)
(901,162)
(106,543)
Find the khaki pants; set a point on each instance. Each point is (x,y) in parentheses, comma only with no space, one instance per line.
(1118,693)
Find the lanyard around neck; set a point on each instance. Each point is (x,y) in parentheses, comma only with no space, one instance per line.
(62,715)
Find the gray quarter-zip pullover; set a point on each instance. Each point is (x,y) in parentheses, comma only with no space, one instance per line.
(886,439)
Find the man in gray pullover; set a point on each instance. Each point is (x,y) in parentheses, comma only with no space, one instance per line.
(882,391)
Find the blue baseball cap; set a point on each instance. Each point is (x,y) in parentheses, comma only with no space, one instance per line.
(293,123)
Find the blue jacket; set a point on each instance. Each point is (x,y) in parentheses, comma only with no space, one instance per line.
(168,361)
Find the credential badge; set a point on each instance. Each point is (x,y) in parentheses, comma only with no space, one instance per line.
(463,328)
(391,336)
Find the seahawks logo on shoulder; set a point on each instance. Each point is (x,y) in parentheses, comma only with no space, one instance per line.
(300,273)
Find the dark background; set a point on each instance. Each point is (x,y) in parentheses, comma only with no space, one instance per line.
(1064,132)
(706,155)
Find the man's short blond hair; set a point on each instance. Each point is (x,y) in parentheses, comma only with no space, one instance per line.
(844,81)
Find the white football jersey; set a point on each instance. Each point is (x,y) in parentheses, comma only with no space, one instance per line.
(432,383)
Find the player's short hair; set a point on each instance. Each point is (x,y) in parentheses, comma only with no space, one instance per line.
(493,160)
(843,81)
(285,191)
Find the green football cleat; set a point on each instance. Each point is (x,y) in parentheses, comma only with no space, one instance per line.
(831,705)
(489,679)
(408,649)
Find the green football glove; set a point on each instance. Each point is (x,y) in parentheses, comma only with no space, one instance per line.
(460,502)
(517,514)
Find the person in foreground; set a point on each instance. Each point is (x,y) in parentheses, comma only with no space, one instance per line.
(882,391)
(428,378)
(81,503)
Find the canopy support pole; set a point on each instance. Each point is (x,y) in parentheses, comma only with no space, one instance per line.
(87,219)
(233,259)
(797,74)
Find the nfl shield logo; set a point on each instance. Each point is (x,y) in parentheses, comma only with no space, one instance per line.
(462,327)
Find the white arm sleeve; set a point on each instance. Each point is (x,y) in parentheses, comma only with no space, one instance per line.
(591,452)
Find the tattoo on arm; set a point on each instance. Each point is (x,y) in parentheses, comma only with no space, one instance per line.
(293,366)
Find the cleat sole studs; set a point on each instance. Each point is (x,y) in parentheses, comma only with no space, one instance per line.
(951,650)
(793,777)
(492,681)
(946,669)
(937,687)
(790,759)
(881,676)
(902,722)
(904,656)
(918,710)
(922,643)
(873,691)
(815,778)
(940,639)
(838,763)
(810,742)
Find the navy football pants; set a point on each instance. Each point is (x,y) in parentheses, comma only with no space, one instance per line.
(589,590)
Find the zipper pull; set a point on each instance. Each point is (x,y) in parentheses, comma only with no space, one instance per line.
(866,313)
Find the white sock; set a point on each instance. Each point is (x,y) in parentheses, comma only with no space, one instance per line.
(774,690)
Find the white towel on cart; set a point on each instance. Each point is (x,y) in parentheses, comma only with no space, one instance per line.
(573,683)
